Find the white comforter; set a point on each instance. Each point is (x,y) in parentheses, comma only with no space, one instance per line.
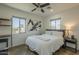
(44,44)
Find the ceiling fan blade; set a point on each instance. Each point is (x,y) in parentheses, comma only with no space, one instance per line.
(44,5)
(35,4)
(34,9)
(38,4)
(42,10)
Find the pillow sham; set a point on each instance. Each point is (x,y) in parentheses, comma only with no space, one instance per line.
(57,33)
(49,32)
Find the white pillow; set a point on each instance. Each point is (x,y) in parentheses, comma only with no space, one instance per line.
(57,33)
(49,32)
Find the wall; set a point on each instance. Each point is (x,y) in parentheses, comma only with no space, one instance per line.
(8,12)
(68,17)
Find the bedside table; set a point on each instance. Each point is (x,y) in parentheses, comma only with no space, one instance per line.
(70,40)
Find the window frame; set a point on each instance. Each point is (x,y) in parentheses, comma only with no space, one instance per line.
(55,22)
(19,24)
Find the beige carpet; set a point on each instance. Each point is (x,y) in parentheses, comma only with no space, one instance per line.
(23,50)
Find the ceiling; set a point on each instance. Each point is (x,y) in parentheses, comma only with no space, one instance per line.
(55,7)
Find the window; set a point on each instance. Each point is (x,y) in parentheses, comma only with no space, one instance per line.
(18,25)
(15,25)
(55,24)
(22,25)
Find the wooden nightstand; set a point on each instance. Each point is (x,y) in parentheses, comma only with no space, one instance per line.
(70,40)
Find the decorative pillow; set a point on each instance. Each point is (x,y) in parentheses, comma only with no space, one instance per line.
(49,32)
(57,33)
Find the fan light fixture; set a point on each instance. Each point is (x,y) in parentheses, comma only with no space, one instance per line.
(50,9)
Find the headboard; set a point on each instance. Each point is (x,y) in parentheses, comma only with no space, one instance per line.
(59,30)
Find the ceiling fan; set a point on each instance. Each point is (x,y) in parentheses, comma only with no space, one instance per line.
(41,6)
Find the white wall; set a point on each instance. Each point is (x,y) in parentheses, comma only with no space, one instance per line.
(70,16)
(8,12)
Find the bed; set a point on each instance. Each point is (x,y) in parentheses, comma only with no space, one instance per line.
(47,43)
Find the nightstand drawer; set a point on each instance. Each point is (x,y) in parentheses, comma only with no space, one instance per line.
(71,41)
